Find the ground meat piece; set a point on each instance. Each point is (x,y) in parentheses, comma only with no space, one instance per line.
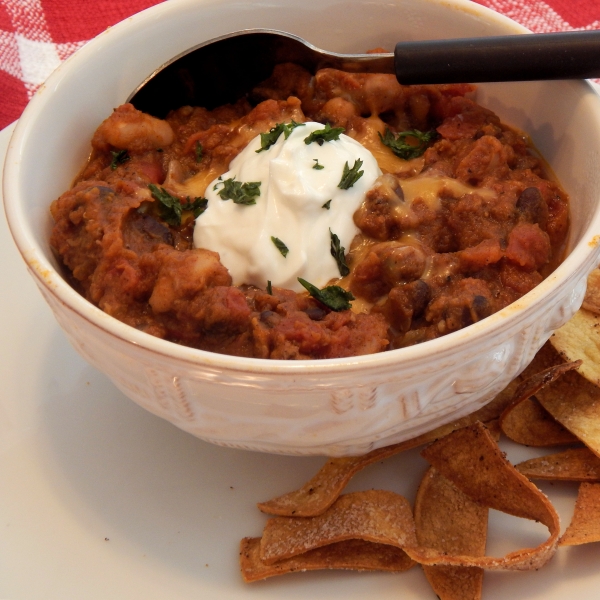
(338,334)
(488,157)
(469,220)
(79,223)
(404,303)
(460,304)
(558,215)
(386,265)
(217,318)
(223,309)
(384,213)
(182,276)
(463,119)
(401,263)
(516,280)
(292,332)
(440,158)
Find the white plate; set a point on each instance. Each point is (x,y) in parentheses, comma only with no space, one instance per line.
(101,500)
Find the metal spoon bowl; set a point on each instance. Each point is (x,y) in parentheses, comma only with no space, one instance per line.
(226,68)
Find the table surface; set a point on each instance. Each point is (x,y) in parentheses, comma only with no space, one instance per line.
(98,498)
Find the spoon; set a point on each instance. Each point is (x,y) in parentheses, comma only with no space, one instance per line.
(226,68)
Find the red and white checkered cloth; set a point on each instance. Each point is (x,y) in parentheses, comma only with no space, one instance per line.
(35,35)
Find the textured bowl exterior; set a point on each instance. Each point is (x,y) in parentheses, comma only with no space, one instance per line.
(328,412)
(331,407)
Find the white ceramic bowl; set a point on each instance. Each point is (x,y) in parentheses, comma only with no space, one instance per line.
(332,407)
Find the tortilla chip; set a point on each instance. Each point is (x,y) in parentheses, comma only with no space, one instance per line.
(376,516)
(585,524)
(579,339)
(591,302)
(450,522)
(474,463)
(528,423)
(357,555)
(318,494)
(470,460)
(575,403)
(455,583)
(494,428)
(524,420)
(575,464)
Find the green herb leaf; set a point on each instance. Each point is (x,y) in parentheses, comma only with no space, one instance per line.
(172,208)
(337,251)
(118,158)
(269,288)
(240,193)
(198,206)
(332,296)
(327,204)
(408,144)
(328,134)
(351,176)
(280,246)
(317,166)
(199,152)
(268,139)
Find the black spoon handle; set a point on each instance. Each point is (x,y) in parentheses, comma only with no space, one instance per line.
(567,55)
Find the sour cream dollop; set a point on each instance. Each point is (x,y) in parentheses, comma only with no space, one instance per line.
(292,207)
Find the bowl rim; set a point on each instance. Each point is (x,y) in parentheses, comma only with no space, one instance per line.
(45,274)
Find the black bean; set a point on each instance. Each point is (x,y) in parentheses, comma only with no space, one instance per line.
(421,295)
(316,313)
(143,233)
(532,206)
(466,317)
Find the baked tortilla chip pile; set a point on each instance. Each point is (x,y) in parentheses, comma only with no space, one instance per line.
(556,401)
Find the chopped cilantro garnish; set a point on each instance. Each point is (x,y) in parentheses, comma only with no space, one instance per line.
(328,134)
(240,193)
(199,152)
(172,208)
(268,139)
(118,158)
(327,204)
(269,287)
(337,251)
(280,246)
(317,166)
(332,296)
(408,144)
(351,175)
